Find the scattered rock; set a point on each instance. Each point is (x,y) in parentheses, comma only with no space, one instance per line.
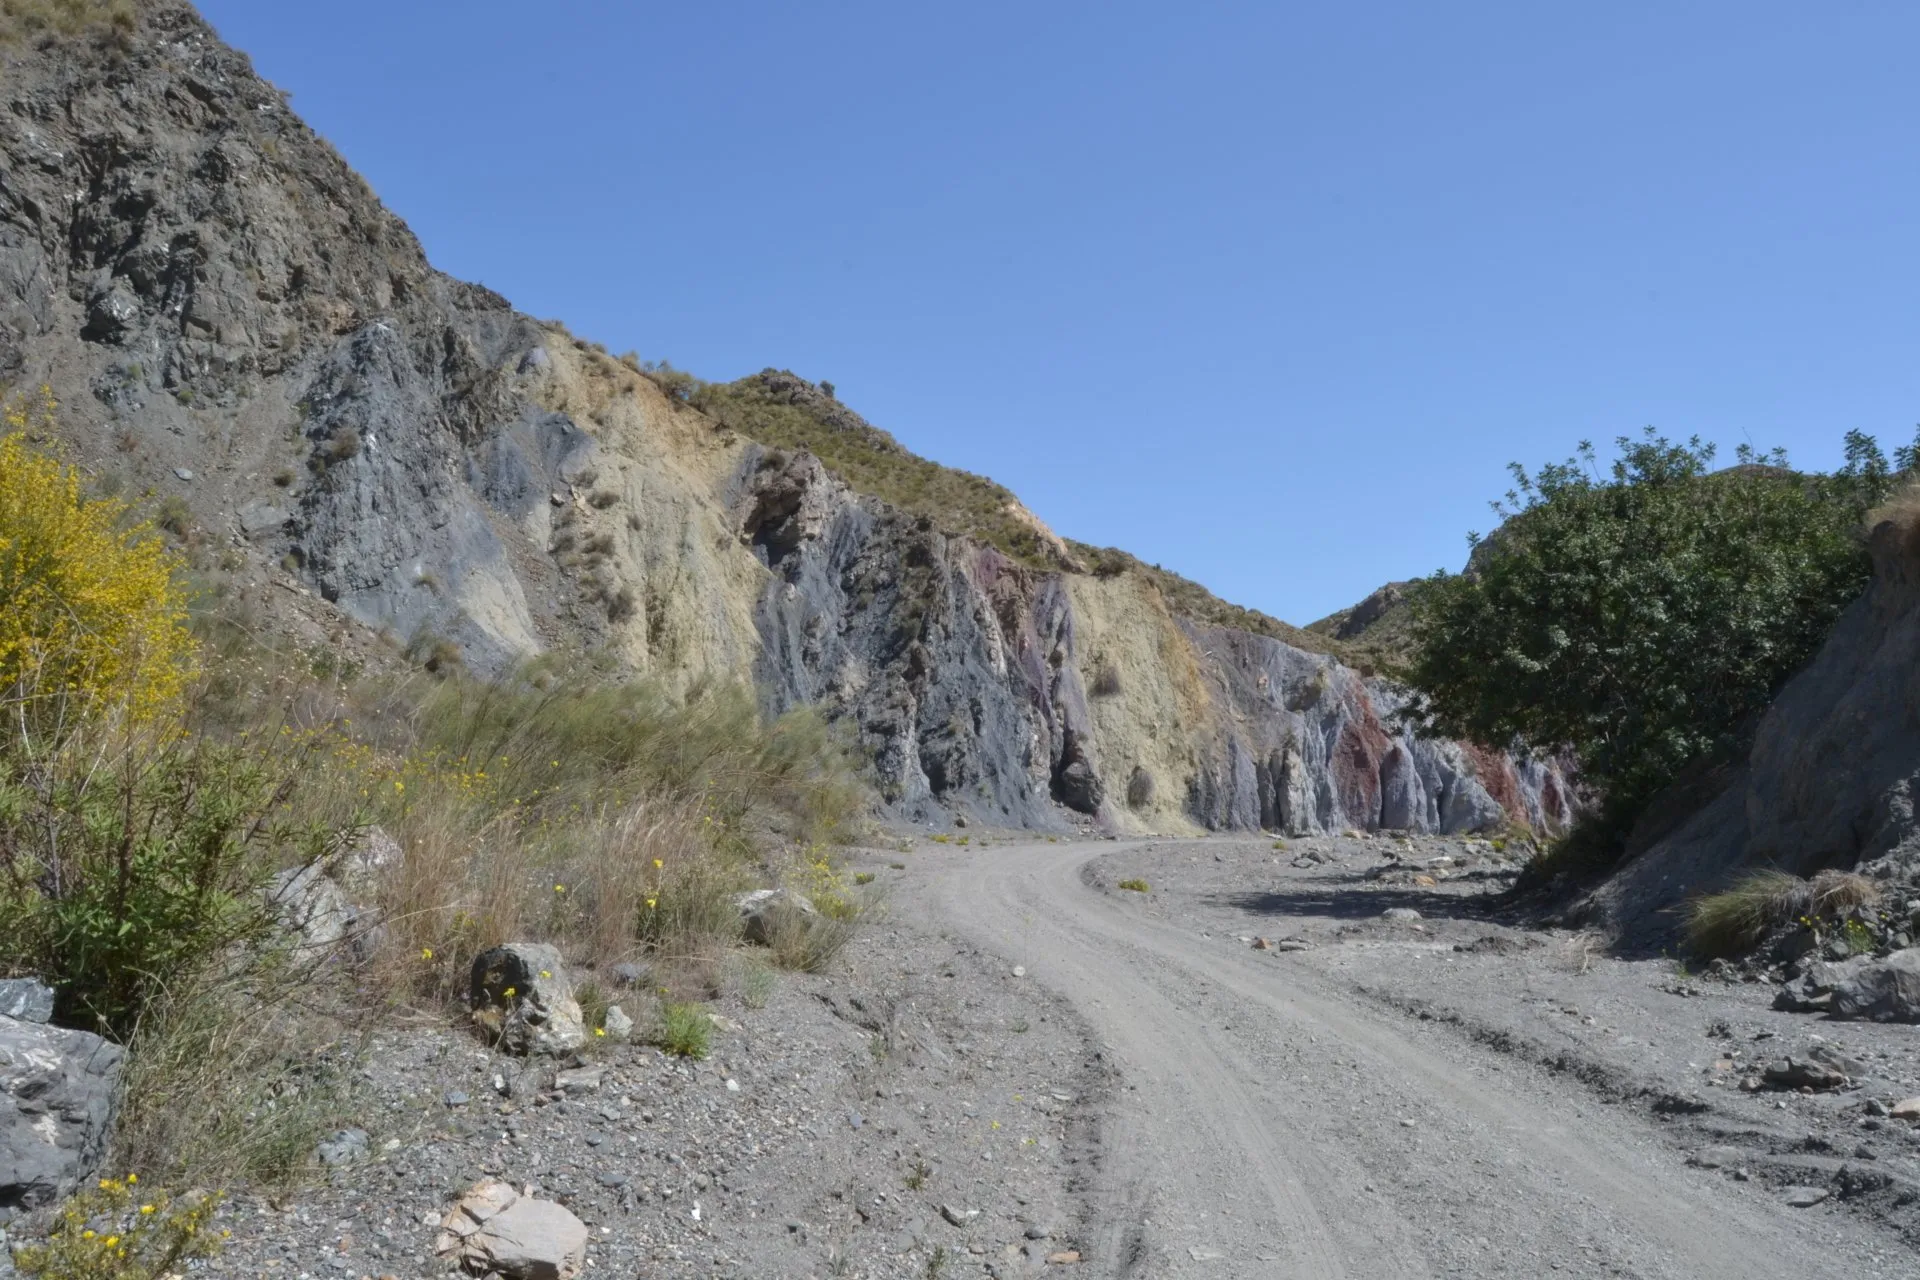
(1908,1110)
(1798,1073)
(26,999)
(1886,990)
(761,911)
(1064,1257)
(1262,944)
(1400,913)
(348,1146)
(632,974)
(523,999)
(59,1090)
(456,1097)
(618,1026)
(958,1217)
(183,473)
(580,1081)
(1804,1197)
(495,1229)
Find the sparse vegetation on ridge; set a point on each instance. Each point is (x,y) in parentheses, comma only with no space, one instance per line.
(23,20)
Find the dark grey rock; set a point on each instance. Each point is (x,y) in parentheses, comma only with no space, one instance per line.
(1881,990)
(58,1096)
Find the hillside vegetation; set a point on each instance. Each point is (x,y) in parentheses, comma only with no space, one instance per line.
(167,787)
(783,411)
(1641,617)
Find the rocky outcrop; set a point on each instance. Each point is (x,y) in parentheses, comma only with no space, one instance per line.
(1009,693)
(1833,774)
(366,447)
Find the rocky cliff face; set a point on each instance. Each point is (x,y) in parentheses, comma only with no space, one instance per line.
(361,445)
(1833,775)
(1001,690)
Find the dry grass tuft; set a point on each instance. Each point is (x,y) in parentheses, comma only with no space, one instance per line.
(1736,920)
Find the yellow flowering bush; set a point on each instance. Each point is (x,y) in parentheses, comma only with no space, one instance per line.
(92,617)
(119,1230)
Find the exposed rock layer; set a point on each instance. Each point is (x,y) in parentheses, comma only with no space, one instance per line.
(230,318)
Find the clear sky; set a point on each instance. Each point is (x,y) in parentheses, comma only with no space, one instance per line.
(1266,293)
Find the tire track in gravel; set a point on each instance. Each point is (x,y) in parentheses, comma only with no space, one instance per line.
(1259,1127)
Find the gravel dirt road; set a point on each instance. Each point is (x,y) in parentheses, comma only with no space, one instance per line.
(1267,1119)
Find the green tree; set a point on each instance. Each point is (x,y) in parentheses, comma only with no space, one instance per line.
(1641,616)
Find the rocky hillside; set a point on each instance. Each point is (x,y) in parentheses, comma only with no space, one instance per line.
(368,456)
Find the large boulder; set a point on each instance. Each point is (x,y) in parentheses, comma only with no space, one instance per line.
(496,1230)
(522,997)
(308,903)
(762,910)
(1882,990)
(58,1094)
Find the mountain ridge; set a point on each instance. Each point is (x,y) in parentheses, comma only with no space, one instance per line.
(355,445)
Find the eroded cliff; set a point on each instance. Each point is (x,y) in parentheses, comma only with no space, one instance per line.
(236,329)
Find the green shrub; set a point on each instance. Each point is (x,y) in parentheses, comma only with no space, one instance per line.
(1135,886)
(117,882)
(685,1030)
(1641,618)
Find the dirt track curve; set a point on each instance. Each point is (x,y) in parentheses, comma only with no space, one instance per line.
(1265,1123)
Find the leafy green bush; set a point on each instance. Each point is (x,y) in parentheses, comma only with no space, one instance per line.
(1644,616)
(116,882)
(1135,886)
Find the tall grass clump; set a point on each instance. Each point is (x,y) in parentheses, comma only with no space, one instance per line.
(1735,920)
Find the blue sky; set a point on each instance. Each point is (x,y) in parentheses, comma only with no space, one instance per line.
(1268,294)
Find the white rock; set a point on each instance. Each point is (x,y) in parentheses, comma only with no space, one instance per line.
(495,1228)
